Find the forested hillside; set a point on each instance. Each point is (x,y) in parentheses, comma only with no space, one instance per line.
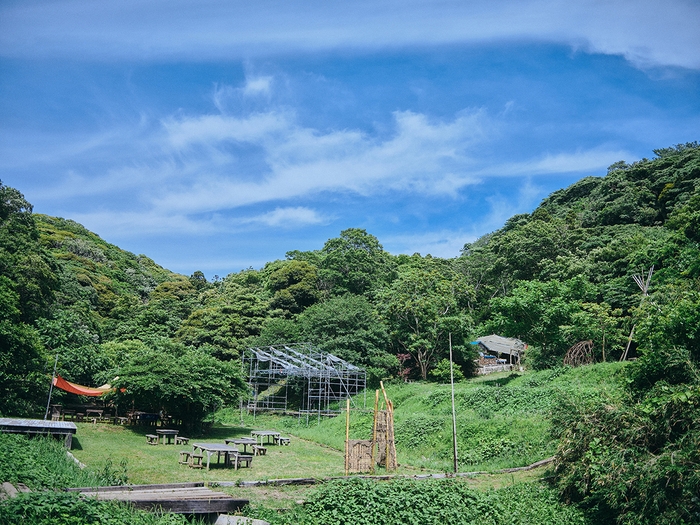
(557,276)
(552,278)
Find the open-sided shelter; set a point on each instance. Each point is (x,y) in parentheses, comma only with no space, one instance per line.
(506,349)
(323,378)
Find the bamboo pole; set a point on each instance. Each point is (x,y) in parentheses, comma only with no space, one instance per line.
(374,429)
(390,436)
(386,399)
(386,447)
(347,436)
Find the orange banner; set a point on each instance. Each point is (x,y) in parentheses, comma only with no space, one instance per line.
(73,388)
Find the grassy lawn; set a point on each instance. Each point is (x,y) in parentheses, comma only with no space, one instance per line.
(95,444)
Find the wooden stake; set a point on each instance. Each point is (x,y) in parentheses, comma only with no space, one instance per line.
(386,399)
(347,436)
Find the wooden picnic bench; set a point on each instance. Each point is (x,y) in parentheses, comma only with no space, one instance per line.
(152,439)
(282,440)
(180,440)
(241,458)
(259,450)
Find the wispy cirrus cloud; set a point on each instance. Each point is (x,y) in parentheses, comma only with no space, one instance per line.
(192,172)
(421,155)
(289,217)
(643,31)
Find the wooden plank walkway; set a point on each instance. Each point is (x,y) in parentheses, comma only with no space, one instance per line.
(179,498)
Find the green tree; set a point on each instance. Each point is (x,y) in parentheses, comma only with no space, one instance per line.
(22,384)
(22,258)
(421,308)
(293,285)
(349,327)
(228,319)
(355,262)
(537,313)
(186,383)
(27,284)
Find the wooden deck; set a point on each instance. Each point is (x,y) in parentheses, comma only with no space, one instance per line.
(61,429)
(179,498)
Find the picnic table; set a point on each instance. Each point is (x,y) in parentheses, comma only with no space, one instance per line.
(167,433)
(218,449)
(265,435)
(60,429)
(245,441)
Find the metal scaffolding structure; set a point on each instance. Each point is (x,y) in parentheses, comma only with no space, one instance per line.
(322,379)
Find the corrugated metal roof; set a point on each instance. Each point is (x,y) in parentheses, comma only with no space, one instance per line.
(502,345)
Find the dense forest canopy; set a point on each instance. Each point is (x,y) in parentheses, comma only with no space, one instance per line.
(559,275)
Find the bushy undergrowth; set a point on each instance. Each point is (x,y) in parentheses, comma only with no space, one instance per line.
(635,462)
(401,502)
(43,463)
(68,508)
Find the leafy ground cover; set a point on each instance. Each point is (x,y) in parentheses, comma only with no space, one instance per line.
(398,502)
(42,465)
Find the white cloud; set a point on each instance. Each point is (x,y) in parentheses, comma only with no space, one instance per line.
(593,160)
(443,243)
(190,172)
(287,217)
(421,156)
(257,86)
(646,32)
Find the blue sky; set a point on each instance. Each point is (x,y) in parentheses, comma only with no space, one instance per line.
(217,135)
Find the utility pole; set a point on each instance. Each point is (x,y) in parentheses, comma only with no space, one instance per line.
(454,415)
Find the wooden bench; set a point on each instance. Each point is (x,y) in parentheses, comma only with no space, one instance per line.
(282,440)
(259,450)
(242,458)
(151,439)
(196,461)
(185,457)
(179,440)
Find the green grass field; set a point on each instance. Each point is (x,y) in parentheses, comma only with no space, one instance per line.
(159,464)
(502,421)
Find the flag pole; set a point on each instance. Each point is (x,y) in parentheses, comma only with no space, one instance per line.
(53,376)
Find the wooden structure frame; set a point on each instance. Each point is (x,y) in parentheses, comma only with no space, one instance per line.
(364,455)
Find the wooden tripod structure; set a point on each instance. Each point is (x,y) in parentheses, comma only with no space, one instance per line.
(364,455)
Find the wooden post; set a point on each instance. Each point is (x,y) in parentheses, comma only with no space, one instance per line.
(391,440)
(347,436)
(454,416)
(388,413)
(374,429)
